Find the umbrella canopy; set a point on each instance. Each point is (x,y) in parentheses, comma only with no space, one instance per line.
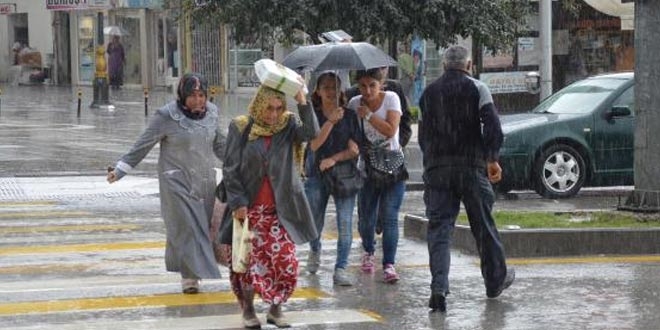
(338,56)
(114,30)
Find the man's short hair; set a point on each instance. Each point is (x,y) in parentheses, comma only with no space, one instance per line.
(456,57)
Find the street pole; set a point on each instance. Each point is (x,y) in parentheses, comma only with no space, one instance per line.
(545,67)
(100,83)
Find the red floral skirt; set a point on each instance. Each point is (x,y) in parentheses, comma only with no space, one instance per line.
(273,269)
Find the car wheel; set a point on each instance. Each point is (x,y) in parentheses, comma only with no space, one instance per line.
(559,172)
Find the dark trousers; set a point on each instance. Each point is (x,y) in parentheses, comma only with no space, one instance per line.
(444,189)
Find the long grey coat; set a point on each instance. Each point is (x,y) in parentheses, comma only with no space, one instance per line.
(187,183)
(244,170)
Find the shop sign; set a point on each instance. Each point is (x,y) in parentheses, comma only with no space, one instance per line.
(505,82)
(77,4)
(7,8)
(138,3)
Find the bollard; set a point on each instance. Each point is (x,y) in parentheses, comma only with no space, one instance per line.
(146,101)
(212,94)
(79,101)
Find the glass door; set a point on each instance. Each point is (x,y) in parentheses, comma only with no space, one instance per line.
(132,48)
(86,47)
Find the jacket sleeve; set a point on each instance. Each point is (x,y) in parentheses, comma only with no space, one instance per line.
(492,128)
(308,126)
(231,170)
(147,140)
(219,144)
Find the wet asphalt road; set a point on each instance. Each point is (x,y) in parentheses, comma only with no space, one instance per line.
(76,253)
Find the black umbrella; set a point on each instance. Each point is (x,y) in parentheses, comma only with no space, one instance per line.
(338,56)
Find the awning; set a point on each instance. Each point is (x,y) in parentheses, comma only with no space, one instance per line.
(626,11)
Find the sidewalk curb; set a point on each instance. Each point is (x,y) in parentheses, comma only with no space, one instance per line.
(551,242)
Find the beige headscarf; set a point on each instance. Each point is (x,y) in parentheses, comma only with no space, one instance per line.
(259,127)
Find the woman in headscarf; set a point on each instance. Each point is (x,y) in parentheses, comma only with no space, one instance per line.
(261,174)
(116,61)
(190,144)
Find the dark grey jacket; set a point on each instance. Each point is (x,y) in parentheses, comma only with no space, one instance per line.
(244,170)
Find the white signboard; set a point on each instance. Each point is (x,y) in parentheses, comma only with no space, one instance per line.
(505,82)
(77,4)
(7,8)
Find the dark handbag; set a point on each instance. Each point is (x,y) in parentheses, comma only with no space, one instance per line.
(344,179)
(385,166)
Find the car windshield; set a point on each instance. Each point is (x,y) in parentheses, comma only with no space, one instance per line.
(580,97)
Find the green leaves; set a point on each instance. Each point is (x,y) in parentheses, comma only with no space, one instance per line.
(493,22)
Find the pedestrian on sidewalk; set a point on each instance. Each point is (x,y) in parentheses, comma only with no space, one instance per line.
(379,114)
(190,142)
(460,137)
(116,61)
(336,145)
(261,174)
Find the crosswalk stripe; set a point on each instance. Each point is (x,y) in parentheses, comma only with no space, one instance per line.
(44,214)
(65,228)
(27,203)
(73,248)
(153,301)
(234,321)
(584,260)
(45,268)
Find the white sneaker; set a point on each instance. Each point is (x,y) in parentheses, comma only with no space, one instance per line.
(190,285)
(342,278)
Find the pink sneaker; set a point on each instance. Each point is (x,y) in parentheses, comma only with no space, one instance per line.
(389,274)
(368,263)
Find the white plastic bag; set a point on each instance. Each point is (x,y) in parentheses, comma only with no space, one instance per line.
(241,246)
(279,77)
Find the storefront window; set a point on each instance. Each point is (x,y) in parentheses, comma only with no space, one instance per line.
(168,55)
(86,47)
(131,42)
(241,61)
(242,67)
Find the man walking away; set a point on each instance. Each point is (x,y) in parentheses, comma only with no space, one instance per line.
(457,154)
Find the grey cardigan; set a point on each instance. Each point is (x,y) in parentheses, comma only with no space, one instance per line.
(244,170)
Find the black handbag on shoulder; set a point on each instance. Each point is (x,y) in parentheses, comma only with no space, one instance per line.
(384,166)
(344,179)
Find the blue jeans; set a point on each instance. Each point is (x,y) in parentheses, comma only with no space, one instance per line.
(317,196)
(443,191)
(387,200)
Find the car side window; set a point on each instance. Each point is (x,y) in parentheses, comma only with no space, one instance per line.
(627,98)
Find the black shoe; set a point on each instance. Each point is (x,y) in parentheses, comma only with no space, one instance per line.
(508,280)
(437,302)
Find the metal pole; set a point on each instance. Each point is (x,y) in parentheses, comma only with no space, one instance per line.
(146,102)
(79,102)
(545,67)
(0,101)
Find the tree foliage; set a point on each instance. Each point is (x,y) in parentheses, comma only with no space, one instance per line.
(492,22)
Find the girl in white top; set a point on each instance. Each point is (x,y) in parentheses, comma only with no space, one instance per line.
(380,111)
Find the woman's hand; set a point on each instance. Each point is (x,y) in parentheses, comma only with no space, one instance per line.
(112,177)
(240,213)
(336,115)
(327,163)
(301,96)
(362,111)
